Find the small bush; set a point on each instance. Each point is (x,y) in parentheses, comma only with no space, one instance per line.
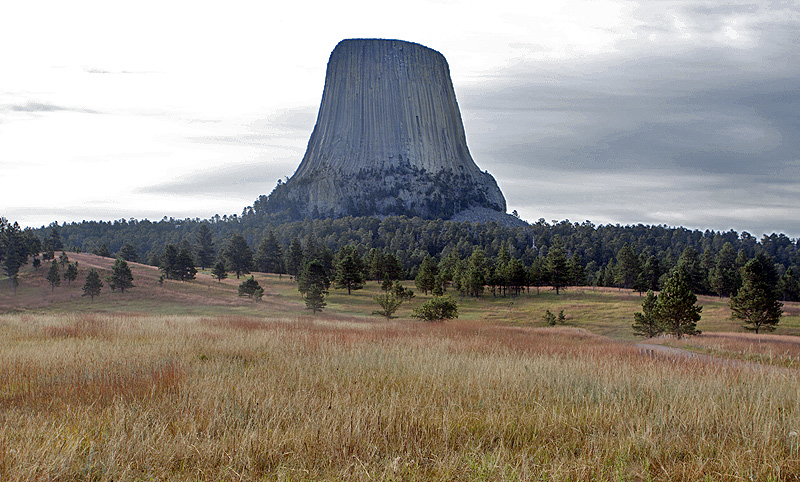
(439,308)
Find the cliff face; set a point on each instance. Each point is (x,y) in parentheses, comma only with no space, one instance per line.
(388,140)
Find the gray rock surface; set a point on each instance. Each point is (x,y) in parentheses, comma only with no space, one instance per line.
(388,140)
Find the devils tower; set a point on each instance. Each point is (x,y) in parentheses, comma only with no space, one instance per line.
(388,141)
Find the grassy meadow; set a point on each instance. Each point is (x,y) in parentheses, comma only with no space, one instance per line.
(186,381)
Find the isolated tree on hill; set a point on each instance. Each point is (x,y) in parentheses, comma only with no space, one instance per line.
(204,246)
(426,275)
(676,307)
(238,255)
(121,277)
(53,275)
(349,269)
(556,261)
(92,285)
(647,323)
(128,253)
(71,272)
(438,308)
(315,299)
(756,303)
(168,262)
(249,286)
(219,271)
(184,265)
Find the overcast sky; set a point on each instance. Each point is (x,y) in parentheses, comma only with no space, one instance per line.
(665,112)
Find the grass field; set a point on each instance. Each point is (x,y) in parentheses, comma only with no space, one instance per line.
(186,381)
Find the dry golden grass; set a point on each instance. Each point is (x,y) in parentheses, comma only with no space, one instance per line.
(133,397)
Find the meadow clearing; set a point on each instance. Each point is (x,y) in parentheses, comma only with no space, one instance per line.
(188,382)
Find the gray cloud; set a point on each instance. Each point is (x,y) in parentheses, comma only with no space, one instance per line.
(248,180)
(43,107)
(723,114)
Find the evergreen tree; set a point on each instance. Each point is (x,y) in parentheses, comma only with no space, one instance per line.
(389,304)
(53,241)
(102,251)
(725,278)
(549,318)
(313,275)
(789,285)
(36,263)
(628,267)
(691,266)
(71,273)
(204,246)
(219,271)
(438,308)
(128,253)
(474,278)
(269,255)
(92,285)
(349,269)
(63,259)
(556,262)
(238,255)
(184,266)
(647,323)
(650,275)
(517,276)
(537,274)
(294,258)
(676,306)
(401,291)
(169,262)
(315,298)
(249,286)
(53,275)
(13,250)
(121,276)
(426,276)
(756,303)
(577,274)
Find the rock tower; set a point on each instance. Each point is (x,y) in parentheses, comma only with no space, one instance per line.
(388,141)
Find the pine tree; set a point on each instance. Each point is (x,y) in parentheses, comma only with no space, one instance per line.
(128,253)
(474,278)
(53,276)
(627,267)
(315,299)
(389,304)
(313,275)
(204,246)
(168,262)
(219,271)
(238,255)
(692,267)
(13,250)
(121,276)
(249,286)
(676,307)
(269,255)
(549,318)
(92,285)
(789,285)
(71,273)
(426,275)
(63,259)
(53,241)
(724,277)
(577,273)
(556,261)
(294,258)
(184,265)
(756,303)
(349,269)
(102,251)
(647,323)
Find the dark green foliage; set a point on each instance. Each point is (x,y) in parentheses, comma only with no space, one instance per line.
(402,292)
(628,267)
(349,269)
(724,278)
(315,299)
(557,269)
(438,308)
(238,255)
(102,251)
(650,275)
(647,323)
(691,266)
(219,271)
(249,286)
(473,277)
(36,263)
(14,250)
(313,275)
(269,255)
(53,241)
(71,272)
(92,285)
(184,265)
(676,307)
(294,259)
(204,246)
(53,275)
(561,317)
(788,285)
(168,262)
(63,259)
(258,294)
(128,253)
(389,304)
(756,303)
(549,318)
(121,277)
(426,275)
(577,273)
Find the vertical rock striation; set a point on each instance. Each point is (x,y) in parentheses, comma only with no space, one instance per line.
(388,140)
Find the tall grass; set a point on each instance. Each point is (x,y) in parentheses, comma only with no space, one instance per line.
(93,397)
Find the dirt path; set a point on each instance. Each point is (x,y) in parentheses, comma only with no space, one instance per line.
(662,351)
